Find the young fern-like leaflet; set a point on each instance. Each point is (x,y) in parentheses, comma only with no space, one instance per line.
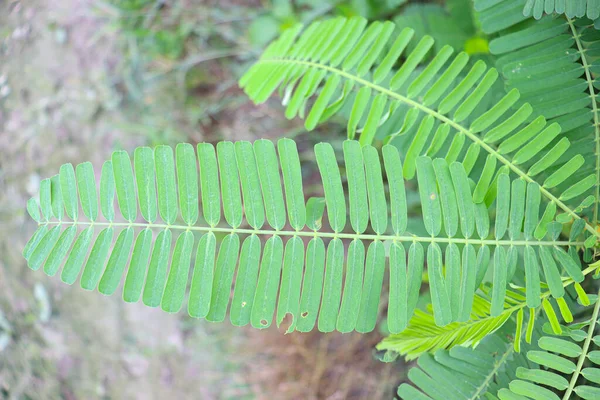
(423,336)
(241,181)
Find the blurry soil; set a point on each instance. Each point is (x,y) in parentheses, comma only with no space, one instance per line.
(59,103)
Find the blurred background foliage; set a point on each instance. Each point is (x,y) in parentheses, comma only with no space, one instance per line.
(81,78)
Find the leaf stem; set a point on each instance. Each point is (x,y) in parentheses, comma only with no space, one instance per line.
(590,82)
(333,235)
(510,349)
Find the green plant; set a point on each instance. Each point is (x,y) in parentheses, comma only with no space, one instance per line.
(507,185)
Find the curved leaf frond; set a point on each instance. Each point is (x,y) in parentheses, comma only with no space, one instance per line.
(551,62)
(241,182)
(443,103)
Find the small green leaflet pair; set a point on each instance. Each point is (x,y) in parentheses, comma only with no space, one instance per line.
(306,276)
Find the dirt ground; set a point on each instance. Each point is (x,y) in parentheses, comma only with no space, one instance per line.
(59,103)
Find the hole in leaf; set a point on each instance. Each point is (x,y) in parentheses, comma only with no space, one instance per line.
(243,304)
(287,323)
(304,314)
(263,322)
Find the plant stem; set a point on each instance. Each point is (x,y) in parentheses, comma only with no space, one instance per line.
(584,350)
(590,82)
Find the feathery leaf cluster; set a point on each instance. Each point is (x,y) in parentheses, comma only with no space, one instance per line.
(508,186)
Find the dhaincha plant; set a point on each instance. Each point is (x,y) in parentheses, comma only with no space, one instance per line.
(506,161)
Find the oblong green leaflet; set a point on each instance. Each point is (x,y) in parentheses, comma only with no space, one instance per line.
(292,180)
(332,286)
(468,283)
(398,207)
(464,199)
(123,175)
(377,201)
(417,146)
(201,287)
(145,175)
(517,208)
(364,43)
(34,210)
(43,248)
(416,259)
(312,286)
(265,297)
(245,284)
(56,197)
(86,181)
(116,262)
(134,281)
(174,294)
(357,186)
(248,171)
(46,198)
(369,302)
(532,209)
(355,266)
(532,278)
(230,184)
(452,278)
(165,184)
(442,311)
(393,54)
(448,198)
(499,280)
(225,267)
(430,71)
(77,256)
(59,252)
(291,279)
(485,179)
(321,103)
(398,296)
(372,123)
(266,160)
(455,148)
(68,188)
(483,261)
(358,108)
(157,269)
(502,206)
(430,202)
(187,182)
(568,264)
(332,186)
(107,191)
(209,183)
(95,263)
